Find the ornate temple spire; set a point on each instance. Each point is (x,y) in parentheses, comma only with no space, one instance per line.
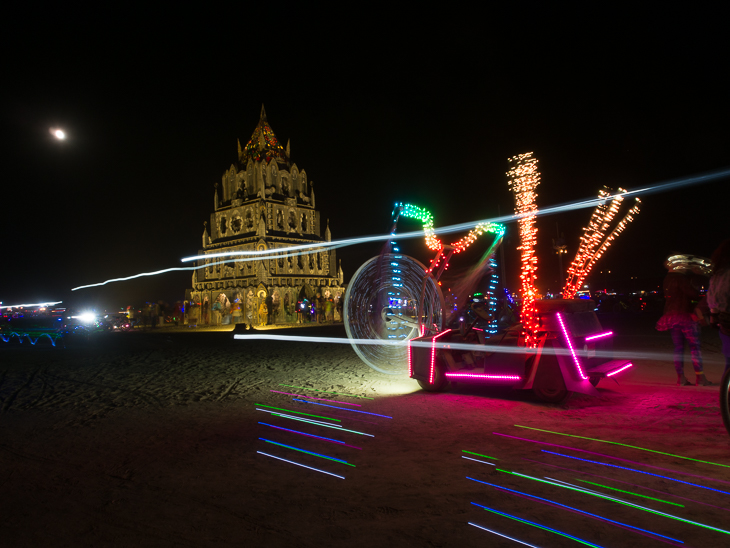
(263,145)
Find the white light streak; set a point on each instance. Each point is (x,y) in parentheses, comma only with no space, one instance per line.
(28,304)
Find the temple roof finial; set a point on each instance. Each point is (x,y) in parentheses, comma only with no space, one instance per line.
(263,112)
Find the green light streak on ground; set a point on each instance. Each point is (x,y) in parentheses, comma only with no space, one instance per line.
(606,497)
(310,453)
(297,412)
(624,445)
(543,528)
(629,492)
(478,455)
(325,391)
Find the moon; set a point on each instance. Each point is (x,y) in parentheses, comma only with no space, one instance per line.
(58,133)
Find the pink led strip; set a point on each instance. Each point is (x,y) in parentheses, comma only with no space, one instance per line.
(570,346)
(619,370)
(599,336)
(491,377)
(433,354)
(410,363)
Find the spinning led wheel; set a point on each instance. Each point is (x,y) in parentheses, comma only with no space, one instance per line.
(390,300)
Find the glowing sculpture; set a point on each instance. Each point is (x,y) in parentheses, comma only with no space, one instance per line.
(594,242)
(523,179)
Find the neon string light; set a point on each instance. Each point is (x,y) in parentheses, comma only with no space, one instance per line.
(599,336)
(302,465)
(523,180)
(480,376)
(331,440)
(297,412)
(570,346)
(325,391)
(611,457)
(638,472)
(606,497)
(627,483)
(477,460)
(501,535)
(314,398)
(478,455)
(343,408)
(545,528)
(623,444)
(300,419)
(433,354)
(307,452)
(9,335)
(630,493)
(616,371)
(557,504)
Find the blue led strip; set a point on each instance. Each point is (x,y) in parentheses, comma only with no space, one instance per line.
(501,535)
(576,510)
(310,435)
(302,465)
(510,516)
(637,471)
(343,408)
(307,452)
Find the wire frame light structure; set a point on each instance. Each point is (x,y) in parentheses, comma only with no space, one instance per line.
(523,180)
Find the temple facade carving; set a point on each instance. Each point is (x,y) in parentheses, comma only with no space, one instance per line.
(263,203)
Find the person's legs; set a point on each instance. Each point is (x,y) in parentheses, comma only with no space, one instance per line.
(692,334)
(678,340)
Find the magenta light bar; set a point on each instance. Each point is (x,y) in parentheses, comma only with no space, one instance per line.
(410,362)
(599,336)
(433,354)
(619,370)
(482,376)
(570,346)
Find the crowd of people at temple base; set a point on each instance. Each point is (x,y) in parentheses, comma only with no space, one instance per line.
(156,314)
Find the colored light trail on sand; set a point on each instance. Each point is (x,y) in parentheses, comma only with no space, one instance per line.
(307,452)
(626,483)
(565,485)
(298,412)
(501,535)
(478,454)
(342,408)
(331,440)
(611,457)
(325,391)
(566,507)
(302,465)
(312,397)
(477,460)
(533,524)
(638,472)
(630,493)
(623,445)
(316,423)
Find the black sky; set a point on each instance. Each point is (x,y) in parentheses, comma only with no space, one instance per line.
(379,107)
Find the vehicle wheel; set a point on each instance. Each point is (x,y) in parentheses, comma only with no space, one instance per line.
(549,385)
(439,381)
(594,380)
(725,399)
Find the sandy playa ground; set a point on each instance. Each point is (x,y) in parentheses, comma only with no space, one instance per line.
(151,439)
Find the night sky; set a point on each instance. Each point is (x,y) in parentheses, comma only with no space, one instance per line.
(379,108)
